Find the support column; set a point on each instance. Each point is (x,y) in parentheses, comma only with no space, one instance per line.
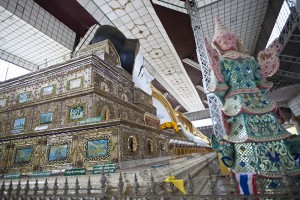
(214,105)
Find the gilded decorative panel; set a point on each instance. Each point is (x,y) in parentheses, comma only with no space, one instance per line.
(75,83)
(20,121)
(7,98)
(48,114)
(59,98)
(3,102)
(48,90)
(25,94)
(46,118)
(97,148)
(25,155)
(100,146)
(24,97)
(49,87)
(58,150)
(76,109)
(77,79)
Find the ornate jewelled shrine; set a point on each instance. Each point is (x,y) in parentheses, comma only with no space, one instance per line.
(80,113)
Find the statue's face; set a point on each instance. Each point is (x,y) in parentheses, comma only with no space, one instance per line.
(140,76)
(226,42)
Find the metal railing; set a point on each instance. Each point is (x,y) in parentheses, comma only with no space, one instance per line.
(124,185)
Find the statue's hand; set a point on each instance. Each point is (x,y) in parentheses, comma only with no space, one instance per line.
(214,61)
(268,60)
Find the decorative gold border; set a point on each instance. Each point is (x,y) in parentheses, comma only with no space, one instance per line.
(67,160)
(52,93)
(15,153)
(81,83)
(99,158)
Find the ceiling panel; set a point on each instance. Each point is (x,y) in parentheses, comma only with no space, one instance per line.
(23,40)
(137,19)
(244,18)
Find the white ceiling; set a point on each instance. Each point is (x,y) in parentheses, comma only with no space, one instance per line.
(244,18)
(29,33)
(137,19)
(41,40)
(20,38)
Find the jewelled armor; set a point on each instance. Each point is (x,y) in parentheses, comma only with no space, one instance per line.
(255,141)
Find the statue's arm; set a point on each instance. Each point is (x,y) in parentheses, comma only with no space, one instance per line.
(268,60)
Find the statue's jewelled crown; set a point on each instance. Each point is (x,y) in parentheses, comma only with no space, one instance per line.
(224,39)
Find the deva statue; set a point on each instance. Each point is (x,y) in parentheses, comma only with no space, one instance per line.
(255,140)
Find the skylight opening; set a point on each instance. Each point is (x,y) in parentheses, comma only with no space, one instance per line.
(280,22)
(9,71)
